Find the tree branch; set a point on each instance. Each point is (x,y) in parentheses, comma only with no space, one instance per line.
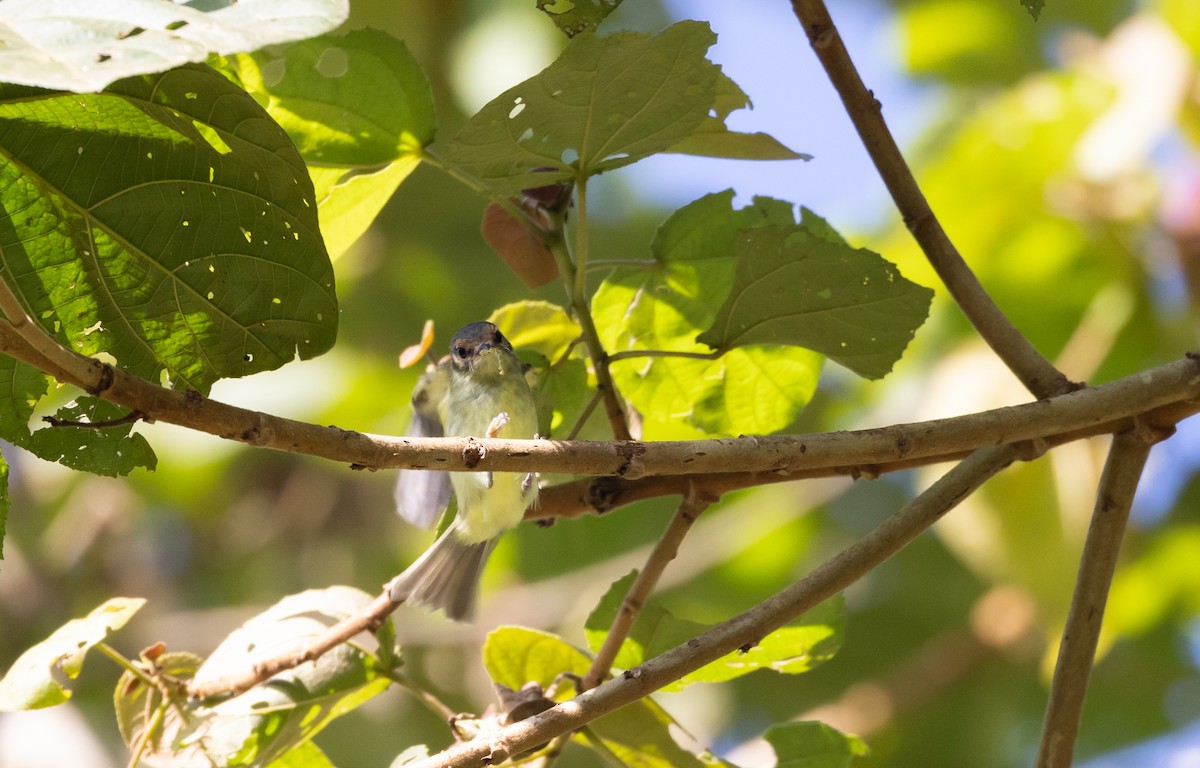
(1126,459)
(749,627)
(690,507)
(1036,372)
(1172,389)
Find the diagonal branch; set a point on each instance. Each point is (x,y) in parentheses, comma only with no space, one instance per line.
(1036,372)
(690,507)
(1126,459)
(749,627)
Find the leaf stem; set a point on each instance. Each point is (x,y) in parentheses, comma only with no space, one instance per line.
(125,663)
(616,263)
(1076,654)
(1036,372)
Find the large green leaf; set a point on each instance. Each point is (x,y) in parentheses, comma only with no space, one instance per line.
(790,650)
(82,45)
(800,287)
(604,103)
(43,676)
(325,92)
(110,451)
(638,734)
(813,745)
(664,307)
(168,222)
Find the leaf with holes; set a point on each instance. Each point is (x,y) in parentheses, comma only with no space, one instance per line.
(79,443)
(325,93)
(604,103)
(82,45)
(797,285)
(168,222)
(575,16)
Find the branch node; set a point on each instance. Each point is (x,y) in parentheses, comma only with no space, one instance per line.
(104,382)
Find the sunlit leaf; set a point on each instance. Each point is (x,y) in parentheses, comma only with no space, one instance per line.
(537,326)
(44,675)
(82,45)
(325,92)
(140,708)
(790,650)
(714,139)
(793,287)
(605,102)
(637,733)
(412,354)
(813,745)
(168,222)
(575,16)
(664,307)
(21,387)
(110,451)
(306,755)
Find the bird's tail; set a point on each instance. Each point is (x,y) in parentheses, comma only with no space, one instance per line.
(446,576)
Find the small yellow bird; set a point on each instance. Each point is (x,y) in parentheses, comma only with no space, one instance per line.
(480,391)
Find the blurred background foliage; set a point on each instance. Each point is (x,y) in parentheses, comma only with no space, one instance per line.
(1062,158)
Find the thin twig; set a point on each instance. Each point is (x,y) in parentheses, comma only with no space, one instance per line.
(1036,372)
(751,626)
(1126,459)
(369,619)
(690,508)
(1174,388)
(130,418)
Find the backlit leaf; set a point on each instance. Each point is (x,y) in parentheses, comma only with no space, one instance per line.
(813,745)
(575,16)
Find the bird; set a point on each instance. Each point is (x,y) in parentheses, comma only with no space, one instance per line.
(479,391)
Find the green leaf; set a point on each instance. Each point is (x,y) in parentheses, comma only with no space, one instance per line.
(110,451)
(265,722)
(43,675)
(537,326)
(1034,7)
(799,288)
(714,139)
(84,46)
(663,307)
(167,222)
(306,755)
(410,755)
(638,733)
(139,707)
(21,387)
(813,745)
(325,93)
(575,16)
(604,103)
(790,650)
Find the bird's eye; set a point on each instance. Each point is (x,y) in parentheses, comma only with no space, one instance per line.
(461,352)
(498,338)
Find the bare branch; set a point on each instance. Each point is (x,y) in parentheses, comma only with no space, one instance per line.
(690,508)
(1173,389)
(1036,372)
(749,627)
(1126,459)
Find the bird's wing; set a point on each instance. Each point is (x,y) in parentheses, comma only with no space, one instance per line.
(422,495)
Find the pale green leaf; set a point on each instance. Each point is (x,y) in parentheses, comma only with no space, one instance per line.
(44,675)
(537,326)
(265,722)
(789,650)
(664,307)
(306,755)
(82,45)
(21,387)
(325,93)
(575,16)
(813,745)
(796,288)
(604,103)
(167,222)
